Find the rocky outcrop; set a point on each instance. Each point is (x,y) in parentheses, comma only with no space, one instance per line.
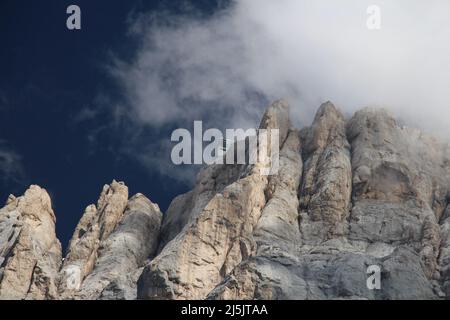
(327,179)
(95,226)
(210,181)
(110,246)
(352,197)
(214,179)
(292,263)
(30,253)
(400,187)
(105,258)
(123,254)
(371,194)
(399,183)
(217,238)
(277,235)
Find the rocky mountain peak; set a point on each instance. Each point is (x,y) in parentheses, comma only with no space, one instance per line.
(277,117)
(30,253)
(349,194)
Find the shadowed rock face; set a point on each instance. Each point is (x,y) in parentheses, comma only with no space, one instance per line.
(349,194)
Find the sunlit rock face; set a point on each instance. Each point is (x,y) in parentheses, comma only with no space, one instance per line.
(350,195)
(30,253)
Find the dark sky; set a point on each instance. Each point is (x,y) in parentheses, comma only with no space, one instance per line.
(48,75)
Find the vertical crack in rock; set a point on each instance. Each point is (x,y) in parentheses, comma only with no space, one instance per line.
(276,235)
(326,188)
(278,223)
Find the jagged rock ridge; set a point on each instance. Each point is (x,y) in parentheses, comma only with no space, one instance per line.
(350,193)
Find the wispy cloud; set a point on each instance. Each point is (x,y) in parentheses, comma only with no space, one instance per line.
(11,169)
(86,114)
(227,67)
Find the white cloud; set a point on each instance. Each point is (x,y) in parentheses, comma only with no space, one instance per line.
(226,68)
(11,169)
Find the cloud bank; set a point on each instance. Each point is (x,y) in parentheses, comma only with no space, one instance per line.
(228,67)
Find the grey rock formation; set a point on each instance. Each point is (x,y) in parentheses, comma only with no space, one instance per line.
(110,246)
(371,195)
(351,197)
(400,190)
(95,226)
(326,184)
(124,252)
(216,237)
(30,253)
(444,259)
(277,236)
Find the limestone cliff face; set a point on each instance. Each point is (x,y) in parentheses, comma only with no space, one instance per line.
(349,194)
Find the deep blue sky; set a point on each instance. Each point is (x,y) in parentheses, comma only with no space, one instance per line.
(48,74)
